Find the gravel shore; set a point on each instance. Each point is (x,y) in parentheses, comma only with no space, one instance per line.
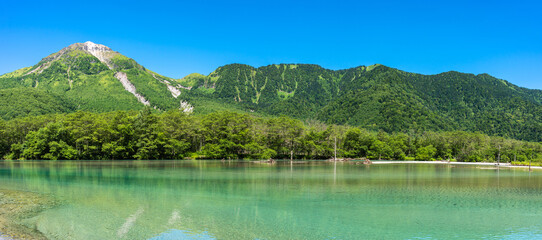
(15,208)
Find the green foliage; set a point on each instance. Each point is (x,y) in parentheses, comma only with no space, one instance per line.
(83,82)
(22,102)
(152,89)
(226,134)
(274,89)
(204,105)
(48,143)
(151,141)
(175,135)
(526,163)
(426,153)
(125,63)
(373,98)
(16,73)
(380,149)
(196,80)
(357,143)
(79,80)
(379,97)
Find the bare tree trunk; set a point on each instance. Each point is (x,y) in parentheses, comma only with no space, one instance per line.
(499,156)
(335,149)
(530,159)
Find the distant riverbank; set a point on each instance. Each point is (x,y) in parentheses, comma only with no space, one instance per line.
(506,165)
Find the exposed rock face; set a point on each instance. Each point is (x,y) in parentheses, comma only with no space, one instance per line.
(173,90)
(130,87)
(186,107)
(40,69)
(101,52)
(183,87)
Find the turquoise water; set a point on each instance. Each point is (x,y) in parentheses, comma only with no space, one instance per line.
(311,200)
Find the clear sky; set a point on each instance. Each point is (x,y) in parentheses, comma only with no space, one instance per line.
(175,38)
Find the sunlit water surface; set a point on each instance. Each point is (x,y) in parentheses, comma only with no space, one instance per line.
(311,200)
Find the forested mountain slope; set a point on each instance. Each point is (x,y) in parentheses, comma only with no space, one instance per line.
(379,97)
(92,77)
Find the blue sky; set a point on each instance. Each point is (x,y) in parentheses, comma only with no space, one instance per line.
(175,38)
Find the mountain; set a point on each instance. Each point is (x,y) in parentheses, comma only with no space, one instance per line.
(93,77)
(378,97)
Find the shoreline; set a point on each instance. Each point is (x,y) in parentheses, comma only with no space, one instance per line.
(505,165)
(5,237)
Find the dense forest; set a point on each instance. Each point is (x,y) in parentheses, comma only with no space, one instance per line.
(152,134)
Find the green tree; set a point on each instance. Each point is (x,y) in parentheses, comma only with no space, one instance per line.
(426,153)
(150,139)
(381,149)
(226,134)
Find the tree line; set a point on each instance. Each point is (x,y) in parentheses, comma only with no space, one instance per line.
(147,134)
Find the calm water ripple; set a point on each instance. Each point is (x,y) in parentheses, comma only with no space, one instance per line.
(313,200)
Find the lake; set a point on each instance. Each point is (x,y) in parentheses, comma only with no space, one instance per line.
(304,200)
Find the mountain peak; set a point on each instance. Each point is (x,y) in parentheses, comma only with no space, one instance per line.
(104,54)
(89,45)
(93,47)
(101,52)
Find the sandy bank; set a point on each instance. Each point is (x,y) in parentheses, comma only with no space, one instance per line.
(503,165)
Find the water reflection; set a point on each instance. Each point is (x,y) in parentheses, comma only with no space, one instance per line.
(287,200)
(175,234)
